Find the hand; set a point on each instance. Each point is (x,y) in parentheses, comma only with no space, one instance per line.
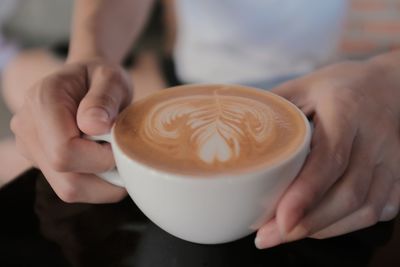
(81,97)
(350,179)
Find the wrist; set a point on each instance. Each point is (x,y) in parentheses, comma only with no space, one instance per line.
(80,56)
(88,53)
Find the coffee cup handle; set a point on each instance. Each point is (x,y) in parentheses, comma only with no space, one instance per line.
(112,176)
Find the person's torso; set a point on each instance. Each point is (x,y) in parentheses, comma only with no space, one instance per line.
(249,41)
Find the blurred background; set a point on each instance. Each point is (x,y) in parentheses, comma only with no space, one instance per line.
(372,26)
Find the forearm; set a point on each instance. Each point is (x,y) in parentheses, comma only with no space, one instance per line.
(106,29)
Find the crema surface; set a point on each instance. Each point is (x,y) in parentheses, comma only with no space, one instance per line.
(209,130)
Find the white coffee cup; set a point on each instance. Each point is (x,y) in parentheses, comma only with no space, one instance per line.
(211,210)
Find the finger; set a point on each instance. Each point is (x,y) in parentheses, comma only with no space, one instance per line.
(268,235)
(369,213)
(70,187)
(83,156)
(83,188)
(328,159)
(391,208)
(337,203)
(292,90)
(79,187)
(296,92)
(66,151)
(109,92)
(54,105)
(345,197)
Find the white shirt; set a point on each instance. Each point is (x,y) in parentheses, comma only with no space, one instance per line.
(7,50)
(239,41)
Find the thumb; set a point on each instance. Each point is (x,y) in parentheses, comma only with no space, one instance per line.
(107,95)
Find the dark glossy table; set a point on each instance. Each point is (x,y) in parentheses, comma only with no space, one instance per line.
(38,229)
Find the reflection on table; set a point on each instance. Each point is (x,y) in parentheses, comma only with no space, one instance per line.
(120,235)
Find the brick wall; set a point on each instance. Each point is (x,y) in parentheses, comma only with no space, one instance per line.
(373,26)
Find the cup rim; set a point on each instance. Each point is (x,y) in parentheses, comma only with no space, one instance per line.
(225,176)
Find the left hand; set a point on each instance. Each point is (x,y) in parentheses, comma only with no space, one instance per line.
(351,178)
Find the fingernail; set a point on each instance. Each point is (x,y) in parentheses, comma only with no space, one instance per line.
(98,114)
(389,212)
(267,238)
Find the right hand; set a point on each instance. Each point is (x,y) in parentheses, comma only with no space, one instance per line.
(81,97)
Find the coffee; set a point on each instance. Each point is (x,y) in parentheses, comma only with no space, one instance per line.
(205,130)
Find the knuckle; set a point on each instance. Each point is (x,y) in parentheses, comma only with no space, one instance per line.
(58,164)
(305,194)
(60,159)
(339,158)
(353,199)
(15,124)
(350,97)
(344,101)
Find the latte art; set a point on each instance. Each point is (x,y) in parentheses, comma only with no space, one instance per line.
(219,127)
(209,129)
